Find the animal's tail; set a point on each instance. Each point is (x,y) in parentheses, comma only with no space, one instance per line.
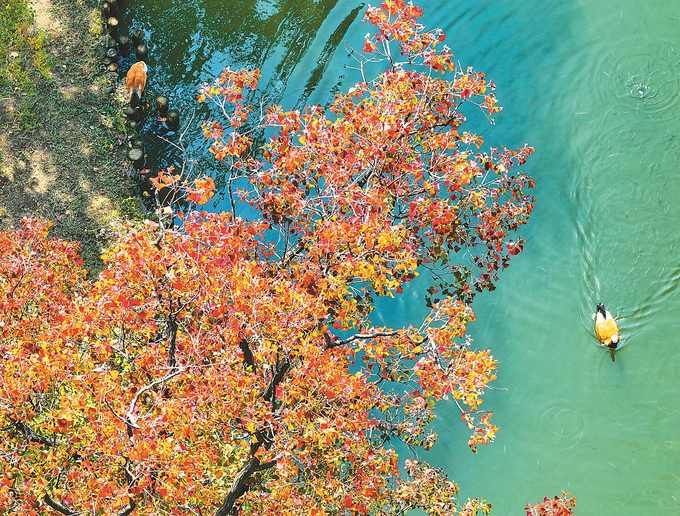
(134,98)
(601,309)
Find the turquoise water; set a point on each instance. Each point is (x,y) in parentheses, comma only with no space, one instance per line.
(594,87)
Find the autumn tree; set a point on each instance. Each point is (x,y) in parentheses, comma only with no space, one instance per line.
(231,366)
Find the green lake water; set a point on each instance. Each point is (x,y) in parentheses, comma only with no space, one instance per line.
(594,86)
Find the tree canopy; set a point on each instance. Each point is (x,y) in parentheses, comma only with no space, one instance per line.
(231,366)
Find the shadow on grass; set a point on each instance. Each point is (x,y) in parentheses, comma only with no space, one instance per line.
(63,145)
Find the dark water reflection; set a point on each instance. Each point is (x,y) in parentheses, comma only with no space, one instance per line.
(292,43)
(594,86)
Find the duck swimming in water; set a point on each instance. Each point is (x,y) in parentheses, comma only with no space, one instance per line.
(606,328)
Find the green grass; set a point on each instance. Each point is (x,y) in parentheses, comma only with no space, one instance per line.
(62,135)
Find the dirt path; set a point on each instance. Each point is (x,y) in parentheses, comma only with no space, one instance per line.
(63,148)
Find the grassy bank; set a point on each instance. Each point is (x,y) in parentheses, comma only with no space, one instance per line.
(62,143)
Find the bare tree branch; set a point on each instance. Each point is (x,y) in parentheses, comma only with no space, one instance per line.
(128,510)
(292,253)
(359,336)
(28,433)
(58,507)
(171,328)
(131,419)
(248,358)
(281,369)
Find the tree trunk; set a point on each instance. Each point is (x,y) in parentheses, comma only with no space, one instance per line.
(239,486)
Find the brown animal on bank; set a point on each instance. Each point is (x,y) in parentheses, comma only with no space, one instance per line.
(136,81)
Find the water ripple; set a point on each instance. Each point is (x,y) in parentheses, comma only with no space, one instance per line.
(640,76)
(625,181)
(562,424)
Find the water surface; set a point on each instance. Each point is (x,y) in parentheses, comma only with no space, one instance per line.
(594,87)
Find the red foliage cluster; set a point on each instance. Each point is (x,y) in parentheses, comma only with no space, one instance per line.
(558,506)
